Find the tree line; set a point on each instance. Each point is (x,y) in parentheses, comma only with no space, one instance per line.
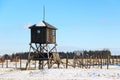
(70,55)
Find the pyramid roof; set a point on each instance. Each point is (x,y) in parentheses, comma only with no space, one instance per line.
(43,24)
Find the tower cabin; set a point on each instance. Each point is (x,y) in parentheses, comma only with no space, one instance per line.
(43,33)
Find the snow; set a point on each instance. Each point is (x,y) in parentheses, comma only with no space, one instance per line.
(41,24)
(94,73)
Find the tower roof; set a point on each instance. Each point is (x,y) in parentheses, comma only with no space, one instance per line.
(43,24)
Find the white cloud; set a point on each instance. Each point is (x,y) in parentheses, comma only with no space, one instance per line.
(27,25)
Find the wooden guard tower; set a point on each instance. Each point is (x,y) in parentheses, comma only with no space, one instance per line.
(43,45)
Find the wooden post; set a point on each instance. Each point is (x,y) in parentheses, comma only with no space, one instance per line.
(42,64)
(79,63)
(74,65)
(39,64)
(119,59)
(82,61)
(101,61)
(87,61)
(93,58)
(90,62)
(58,65)
(29,65)
(108,60)
(35,63)
(66,61)
(20,63)
(49,63)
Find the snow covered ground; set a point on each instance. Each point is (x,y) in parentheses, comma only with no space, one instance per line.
(113,73)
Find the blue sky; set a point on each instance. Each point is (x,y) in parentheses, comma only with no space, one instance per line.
(82,24)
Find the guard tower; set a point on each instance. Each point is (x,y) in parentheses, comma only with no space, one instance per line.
(43,45)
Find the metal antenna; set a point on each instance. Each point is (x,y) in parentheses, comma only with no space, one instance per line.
(43,13)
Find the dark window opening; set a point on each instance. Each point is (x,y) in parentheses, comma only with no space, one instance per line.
(38,31)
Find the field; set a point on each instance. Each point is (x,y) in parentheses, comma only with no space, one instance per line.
(94,73)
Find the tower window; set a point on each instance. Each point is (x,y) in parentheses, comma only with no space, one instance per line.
(38,31)
(53,32)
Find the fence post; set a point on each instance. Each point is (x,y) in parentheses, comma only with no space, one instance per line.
(74,65)
(93,61)
(90,65)
(20,63)
(66,61)
(29,65)
(7,62)
(108,60)
(101,61)
(35,63)
(42,64)
(119,59)
(82,61)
